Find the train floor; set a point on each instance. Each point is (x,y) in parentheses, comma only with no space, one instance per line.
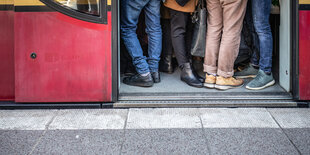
(171,83)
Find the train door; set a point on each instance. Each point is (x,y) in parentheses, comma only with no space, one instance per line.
(7,50)
(173,89)
(63,51)
(302,44)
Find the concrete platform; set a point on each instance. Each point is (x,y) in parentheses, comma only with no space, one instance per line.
(156,131)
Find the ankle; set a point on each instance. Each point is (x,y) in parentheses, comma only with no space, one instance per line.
(214,74)
(145,74)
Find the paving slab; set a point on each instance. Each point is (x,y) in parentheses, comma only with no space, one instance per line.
(67,142)
(25,119)
(249,141)
(292,117)
(163,118)
(164,142)
(237,118)
(300,138)
(90,119)
(17,142)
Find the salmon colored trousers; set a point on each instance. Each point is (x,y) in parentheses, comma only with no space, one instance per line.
(225,22)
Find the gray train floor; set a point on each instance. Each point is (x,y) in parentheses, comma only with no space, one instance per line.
(172,83)
(156,131)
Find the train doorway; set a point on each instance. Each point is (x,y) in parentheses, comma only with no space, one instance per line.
(174,90)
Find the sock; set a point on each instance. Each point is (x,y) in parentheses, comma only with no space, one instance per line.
(268,73)
(214,74)
(145,74)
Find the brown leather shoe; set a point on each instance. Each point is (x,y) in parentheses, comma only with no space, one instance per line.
(223,83)
(209,81)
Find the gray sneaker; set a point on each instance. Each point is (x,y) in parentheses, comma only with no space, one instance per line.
(248,72)
(261,81)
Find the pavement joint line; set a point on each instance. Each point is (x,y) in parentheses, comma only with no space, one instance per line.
(203,133)
(124,137)
(282,130)
(51,121)
(41,136)
(126,120)
(37,143)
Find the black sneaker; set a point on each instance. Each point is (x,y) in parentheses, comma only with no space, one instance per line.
(156,77)
(138,80)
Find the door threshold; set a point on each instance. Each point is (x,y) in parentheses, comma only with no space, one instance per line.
(194,96)
(206,104)
(205,99)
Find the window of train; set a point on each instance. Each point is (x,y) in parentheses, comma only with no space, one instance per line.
(85,6)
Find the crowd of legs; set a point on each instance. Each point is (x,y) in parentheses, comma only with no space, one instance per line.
(168,29)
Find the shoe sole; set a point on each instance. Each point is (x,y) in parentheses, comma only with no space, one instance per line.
(246,76)
(156,81)
(225,87)
(262,87)
(197,86)
(208,85)
(147,84)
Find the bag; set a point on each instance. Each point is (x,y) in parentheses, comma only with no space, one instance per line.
(199,18)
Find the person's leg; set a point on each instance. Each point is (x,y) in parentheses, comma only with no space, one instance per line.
(178,35)
(130,11)
(251,69)
(233,15)
(93,9)
(232,20)
(154,32)
(255,42)
(260,13)
(166,64)
(213,37)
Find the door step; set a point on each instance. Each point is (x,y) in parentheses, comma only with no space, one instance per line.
(205,103)
(204,96)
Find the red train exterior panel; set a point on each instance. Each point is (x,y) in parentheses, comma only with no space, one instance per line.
(72,63)
(7,55)
(304,55)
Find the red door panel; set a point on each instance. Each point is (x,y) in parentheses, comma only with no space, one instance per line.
(6,55)
(73,59)
(304,55)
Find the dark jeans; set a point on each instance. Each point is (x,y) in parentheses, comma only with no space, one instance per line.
(260,15)
(181,35)
(130,11)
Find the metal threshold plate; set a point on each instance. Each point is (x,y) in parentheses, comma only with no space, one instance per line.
(209,99)
(204,96)
(205,103)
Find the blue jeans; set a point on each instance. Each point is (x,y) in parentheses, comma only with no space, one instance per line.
(130,11)
(260,16)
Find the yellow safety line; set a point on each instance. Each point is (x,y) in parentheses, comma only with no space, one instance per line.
(6,2)
(28,3)
(304,1)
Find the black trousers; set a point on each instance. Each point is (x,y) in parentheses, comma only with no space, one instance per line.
(181,30)
(167,43)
